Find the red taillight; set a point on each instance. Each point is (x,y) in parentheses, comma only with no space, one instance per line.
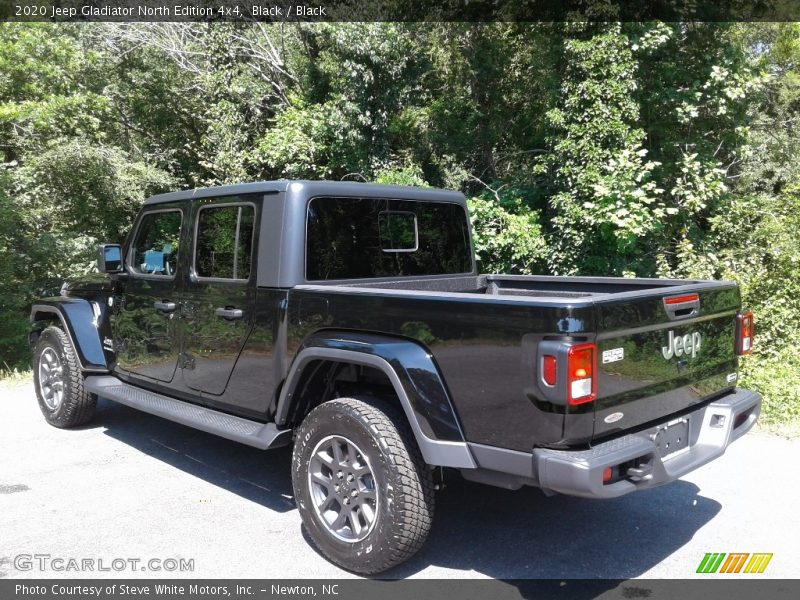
(745,330)
(581,380)
(608,473)
(549,369)
(682,299)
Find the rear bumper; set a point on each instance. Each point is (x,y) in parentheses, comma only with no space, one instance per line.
(635,459)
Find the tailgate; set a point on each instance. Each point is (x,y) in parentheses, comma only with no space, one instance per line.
(662,352)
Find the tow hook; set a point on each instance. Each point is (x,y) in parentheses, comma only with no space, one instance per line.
(640,472)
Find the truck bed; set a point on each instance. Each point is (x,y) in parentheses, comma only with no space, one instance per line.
(484,332)
(532,286)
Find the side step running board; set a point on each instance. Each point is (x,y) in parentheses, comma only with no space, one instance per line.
(252,433)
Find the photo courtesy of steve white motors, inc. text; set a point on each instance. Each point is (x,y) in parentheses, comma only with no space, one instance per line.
(133,10)
(171,589)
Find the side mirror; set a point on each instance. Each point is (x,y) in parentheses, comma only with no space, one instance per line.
(109,258)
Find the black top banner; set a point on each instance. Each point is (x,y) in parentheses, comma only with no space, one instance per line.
(399,10)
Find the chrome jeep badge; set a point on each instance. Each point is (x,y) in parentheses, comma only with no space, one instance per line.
(689,345)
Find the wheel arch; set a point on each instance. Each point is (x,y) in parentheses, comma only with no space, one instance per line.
(413,377)
(79,320)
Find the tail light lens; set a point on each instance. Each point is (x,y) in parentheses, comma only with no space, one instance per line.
(581,374)
(549,369)
(682,299)
(745,331)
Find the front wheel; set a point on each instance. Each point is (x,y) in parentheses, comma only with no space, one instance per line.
(364,493)
(58,380)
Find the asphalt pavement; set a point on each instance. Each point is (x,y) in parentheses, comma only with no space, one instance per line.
(136,495)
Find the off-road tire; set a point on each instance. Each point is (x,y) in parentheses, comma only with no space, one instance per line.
(405,499)
(77,406)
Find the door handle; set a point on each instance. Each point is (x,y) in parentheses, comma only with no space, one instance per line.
(229,313)
(166,307)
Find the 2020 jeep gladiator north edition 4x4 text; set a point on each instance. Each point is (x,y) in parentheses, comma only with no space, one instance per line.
(350,320)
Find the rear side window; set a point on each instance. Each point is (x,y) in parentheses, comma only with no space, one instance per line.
(224,242)
(357,238)
(155,249)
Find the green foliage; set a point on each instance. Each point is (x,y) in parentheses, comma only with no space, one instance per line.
(759,241)
(754,238)
(108,193)
(640,158)
(408,174)
(777,378)
(313,142)
(13,265)
(52,221)
(643,149)
(508,238)
(68,181)
(10,378)
(418,330)
(603,197)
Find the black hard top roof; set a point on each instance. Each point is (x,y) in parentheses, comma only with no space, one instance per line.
(312,188)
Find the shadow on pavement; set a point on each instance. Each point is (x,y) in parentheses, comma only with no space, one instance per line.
(259,476)
(524,534)
(498,533)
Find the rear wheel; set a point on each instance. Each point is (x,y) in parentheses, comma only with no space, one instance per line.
(58,381)
(364,493)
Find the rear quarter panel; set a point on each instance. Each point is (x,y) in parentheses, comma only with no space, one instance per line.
(483,347)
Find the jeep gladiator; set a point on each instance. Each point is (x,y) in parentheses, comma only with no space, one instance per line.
(350,321)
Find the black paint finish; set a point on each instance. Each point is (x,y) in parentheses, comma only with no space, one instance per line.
(477,347)
(645,385)
(80,318)
(463,346)
(414,366)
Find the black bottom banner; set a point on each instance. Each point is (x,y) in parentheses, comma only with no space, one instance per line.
(415,589)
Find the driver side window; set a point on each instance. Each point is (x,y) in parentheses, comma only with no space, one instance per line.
(155,249)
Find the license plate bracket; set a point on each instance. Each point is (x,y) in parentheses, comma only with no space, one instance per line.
(673,438)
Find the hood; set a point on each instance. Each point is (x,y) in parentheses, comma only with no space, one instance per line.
(87,285)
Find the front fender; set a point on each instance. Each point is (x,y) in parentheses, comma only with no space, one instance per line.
(416,381)
(80,319)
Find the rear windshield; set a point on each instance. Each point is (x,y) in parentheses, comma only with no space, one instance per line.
(357,238)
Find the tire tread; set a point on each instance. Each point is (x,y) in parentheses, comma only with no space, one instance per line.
(416,498)
(78,406)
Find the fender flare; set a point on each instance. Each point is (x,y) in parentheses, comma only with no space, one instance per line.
(414,377)
(79,320)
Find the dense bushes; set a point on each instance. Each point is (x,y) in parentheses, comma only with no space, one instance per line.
(644,149)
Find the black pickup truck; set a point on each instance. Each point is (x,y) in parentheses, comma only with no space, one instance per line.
(350,320)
